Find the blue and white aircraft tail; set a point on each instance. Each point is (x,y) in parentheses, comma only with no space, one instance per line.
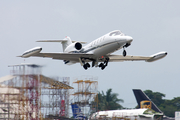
(77,113)
(145,102)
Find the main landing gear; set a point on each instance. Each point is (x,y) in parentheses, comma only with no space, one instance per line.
(86,66)
(94,63)
(103,65)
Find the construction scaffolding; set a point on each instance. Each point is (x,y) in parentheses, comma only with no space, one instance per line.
(28,95)
(55,96)
(84,101)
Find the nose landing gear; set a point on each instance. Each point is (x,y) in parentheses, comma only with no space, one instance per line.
(124,51)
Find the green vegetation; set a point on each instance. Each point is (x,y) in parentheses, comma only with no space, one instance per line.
(167,106)
(108,101)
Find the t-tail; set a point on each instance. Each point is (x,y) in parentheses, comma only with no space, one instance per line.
(67,44)
(144,101)
(67,41)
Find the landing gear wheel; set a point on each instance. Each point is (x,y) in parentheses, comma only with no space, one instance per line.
(102,68)
(101,64)
(124,53)
(88,65)
(85,66)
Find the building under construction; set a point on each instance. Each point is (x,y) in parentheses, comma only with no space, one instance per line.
(26,94)
(84,101)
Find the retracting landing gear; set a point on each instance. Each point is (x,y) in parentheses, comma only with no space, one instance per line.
(86,66)
(95,63)
(124,51)
(103,65)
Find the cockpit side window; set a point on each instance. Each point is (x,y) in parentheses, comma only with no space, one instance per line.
(115,33)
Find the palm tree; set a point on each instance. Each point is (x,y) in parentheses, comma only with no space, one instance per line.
(109,101)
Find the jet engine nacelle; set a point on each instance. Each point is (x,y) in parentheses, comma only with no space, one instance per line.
(73,47)
(157,56)
(31,52)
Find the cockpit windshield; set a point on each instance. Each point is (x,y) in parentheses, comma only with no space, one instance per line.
(115,33)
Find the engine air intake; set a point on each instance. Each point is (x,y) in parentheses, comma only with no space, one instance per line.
(78,46)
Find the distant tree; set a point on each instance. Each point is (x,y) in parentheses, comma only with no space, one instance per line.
(168,107)
(156,97)
(109,101)
(176,102)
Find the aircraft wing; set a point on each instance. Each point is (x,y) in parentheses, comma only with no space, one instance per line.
(65,56)
(74,57)
(152,58)
(121,58)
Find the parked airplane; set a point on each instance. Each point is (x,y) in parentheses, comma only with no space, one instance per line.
(132,114)
(129,114)
(98,51)
(145,102)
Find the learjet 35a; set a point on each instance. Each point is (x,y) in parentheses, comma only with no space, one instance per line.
(98,52)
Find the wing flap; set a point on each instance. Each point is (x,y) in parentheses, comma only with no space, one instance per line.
(76,56)
(65,56)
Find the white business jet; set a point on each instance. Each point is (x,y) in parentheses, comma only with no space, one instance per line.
(98,51)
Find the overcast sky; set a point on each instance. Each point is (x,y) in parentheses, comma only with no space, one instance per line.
(154,26)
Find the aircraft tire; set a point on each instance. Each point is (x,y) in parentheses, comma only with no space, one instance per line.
(88,65)
(85,66)
(124,53)
(101,64)
(102,68)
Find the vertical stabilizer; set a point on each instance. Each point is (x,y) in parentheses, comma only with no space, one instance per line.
(77,113)
(67,41)
(144,101)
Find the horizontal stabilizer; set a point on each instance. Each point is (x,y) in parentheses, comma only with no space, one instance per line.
(59,41)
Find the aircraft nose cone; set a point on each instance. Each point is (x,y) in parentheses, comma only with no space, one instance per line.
(129,39)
